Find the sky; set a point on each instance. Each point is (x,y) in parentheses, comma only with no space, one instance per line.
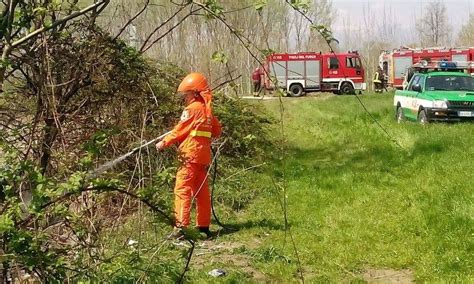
(404,12)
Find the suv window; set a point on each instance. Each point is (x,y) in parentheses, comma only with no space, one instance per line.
(450,83)
(413,82)
(333,63)
(421,82)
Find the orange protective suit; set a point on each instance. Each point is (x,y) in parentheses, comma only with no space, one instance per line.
(193,134)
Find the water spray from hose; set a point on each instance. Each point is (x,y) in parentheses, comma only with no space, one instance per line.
(98,171)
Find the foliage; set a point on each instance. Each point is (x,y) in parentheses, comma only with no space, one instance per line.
(325,33)
(219,57)
(245,128)
(82,99)
(302,5)
(214,9)
(22,22)
(466,38)
(260,4)
(31,247)
(433,27)
(357,202)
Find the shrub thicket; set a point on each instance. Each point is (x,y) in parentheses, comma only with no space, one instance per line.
(82,99)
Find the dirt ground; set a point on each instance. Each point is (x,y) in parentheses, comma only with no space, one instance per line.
(210,252)
(389,276)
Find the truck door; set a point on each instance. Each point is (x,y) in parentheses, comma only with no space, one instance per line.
(410,105)
(313,74)
(334,65)
(278,70)
(353,67)
(296,70)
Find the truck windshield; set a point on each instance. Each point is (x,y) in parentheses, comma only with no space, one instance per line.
(450,83)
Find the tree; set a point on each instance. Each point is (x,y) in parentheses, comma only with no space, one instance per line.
(289,33)
(433,28)
(466,35)
(322,13)
(372,36)
(22,21)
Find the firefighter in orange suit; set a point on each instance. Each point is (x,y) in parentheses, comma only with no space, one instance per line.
(193,134)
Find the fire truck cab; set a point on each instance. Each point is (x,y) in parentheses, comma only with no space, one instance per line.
(300,73)
(395,63)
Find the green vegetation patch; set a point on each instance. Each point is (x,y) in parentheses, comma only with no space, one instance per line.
(358,203)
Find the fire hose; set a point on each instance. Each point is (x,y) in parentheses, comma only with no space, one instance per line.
(213,189)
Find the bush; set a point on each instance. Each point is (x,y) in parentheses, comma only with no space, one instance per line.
(245,129)
(54,223)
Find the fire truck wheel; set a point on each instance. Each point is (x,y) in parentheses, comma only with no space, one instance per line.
(347,88)
(296,90)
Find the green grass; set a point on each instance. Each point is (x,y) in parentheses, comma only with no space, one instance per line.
(356,201)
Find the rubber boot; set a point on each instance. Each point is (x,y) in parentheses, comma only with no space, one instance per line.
(206,231)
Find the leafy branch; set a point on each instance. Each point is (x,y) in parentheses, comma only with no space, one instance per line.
(9,45)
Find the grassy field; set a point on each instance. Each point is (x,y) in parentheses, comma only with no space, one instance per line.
(360,208)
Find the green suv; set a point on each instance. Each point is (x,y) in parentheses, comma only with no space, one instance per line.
(436,96)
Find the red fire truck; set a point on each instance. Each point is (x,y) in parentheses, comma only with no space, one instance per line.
(299,73)
(396,62)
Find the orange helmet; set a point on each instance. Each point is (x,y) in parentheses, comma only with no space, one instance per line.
(193,82)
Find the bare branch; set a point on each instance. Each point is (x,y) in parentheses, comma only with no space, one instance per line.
(239,36)
(226,82)
(160,26)
(101,189)
(132,19)
(59,22)
(171,29)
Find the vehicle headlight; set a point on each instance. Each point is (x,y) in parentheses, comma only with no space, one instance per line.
(440,104)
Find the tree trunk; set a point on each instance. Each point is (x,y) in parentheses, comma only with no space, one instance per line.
(3,65)
(50,133)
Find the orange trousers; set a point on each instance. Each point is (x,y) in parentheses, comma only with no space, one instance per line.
(192,185)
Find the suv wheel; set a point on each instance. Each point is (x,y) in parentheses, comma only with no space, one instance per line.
(423,117)
(400,116)
(296,90)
